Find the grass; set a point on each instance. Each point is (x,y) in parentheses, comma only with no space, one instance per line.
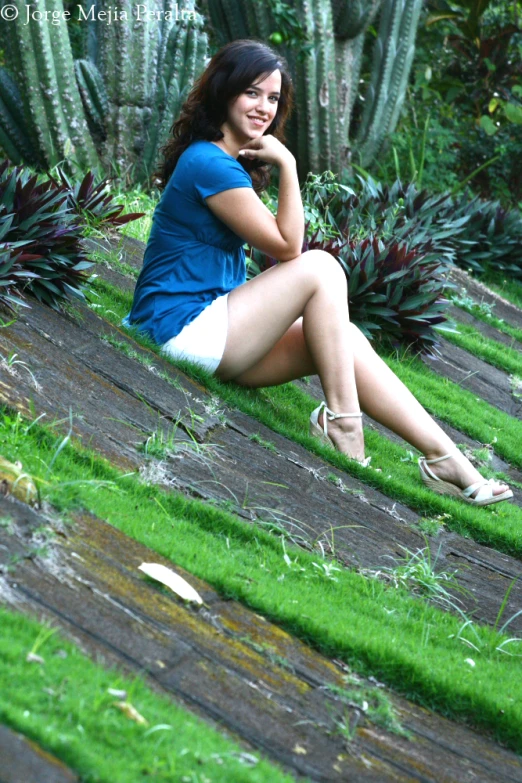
(461,408)
(286,409)
(112,259)
(431,526)
(266,444)
(375,625)
(416,572)
(135,200)
(373,704)
(498,355)
(485,313)
(65,706)
(378,630)
(510,289)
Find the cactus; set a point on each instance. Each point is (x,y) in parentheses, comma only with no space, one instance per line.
(148,66)
(129,91)
(326,82)
(55,100)
(13,137)
(351,17)
(392,57)
(41,62)
(183,56)
(126,94)
(93,94)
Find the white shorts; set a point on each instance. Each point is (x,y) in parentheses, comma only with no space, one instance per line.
(202,340)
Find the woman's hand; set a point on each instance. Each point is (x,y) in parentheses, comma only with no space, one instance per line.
(266,148)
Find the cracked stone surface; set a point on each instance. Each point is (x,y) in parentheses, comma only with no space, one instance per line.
(227,664)
(89,584)
(118,404)
(23,761)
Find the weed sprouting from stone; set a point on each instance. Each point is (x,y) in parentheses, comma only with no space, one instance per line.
(266,444)
(370,703)
(415,572)
(431,526)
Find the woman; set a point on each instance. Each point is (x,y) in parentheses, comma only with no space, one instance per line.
(292,320)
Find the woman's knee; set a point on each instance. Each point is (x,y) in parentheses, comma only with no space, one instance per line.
(324,266)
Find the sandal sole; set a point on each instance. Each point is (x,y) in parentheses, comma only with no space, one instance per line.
(445,488)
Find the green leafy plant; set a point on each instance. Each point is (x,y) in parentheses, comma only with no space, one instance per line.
(319,193)
(466,79)
(94,204)
(482,63)
(397,291)
(40,248)
(491,237)
(289,30)
(396,266)
(475,234)
(40,233)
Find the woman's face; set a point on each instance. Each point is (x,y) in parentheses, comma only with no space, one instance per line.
(259,100)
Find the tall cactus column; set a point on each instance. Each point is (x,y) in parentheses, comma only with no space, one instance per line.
(42,58)
(128,56)
(320,85)
(186,53)
(392,58)
(148,65)
(350,20)
(327,80)
(115,106)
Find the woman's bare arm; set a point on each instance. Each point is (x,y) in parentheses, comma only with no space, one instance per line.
(243,211)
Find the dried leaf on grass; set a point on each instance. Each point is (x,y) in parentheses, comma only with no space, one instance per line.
(168,578)
(130,712)
(15,481)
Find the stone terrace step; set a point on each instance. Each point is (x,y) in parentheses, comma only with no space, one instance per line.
(467,284)
(118,403)
(477,376)
(224,662)
(462,316)
(23,761)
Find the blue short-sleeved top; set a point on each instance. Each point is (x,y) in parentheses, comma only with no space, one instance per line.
(191,257)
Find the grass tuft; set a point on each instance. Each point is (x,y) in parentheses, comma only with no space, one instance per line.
(58,697)
(378,630)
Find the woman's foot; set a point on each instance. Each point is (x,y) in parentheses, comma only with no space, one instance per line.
(347,435)
(459,471)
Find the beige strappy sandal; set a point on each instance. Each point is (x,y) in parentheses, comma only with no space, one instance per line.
(484,496)
(322,433)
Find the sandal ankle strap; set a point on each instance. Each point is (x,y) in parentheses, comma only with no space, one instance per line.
(437,459)
(331,415)
(427,462)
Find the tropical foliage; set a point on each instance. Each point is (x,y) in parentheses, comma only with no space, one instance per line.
(465,88)
(41,222)
(396,268)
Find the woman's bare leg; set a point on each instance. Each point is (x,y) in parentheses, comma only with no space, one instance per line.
(312,285)
(382,395)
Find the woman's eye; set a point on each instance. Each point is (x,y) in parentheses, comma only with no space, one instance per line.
(254,93)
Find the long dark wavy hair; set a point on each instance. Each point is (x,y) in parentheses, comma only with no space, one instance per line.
(230,71)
